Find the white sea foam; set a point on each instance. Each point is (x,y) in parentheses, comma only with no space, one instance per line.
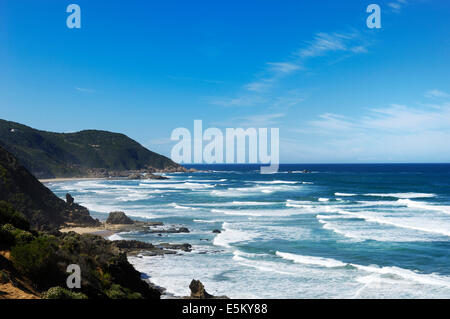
(344,194)
(254,191)
(402,195)
(260,265)
(175,205)
(208,180)
(234,203)
(186,185)
(323,199)
(424,206)
(115,237)
(310,260)
(231,234)
(426,279)
(277,182)
(205,221)
(258,212)
(414,223)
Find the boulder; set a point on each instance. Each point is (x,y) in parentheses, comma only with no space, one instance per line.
(216,231)
(118,218)
(69,199)
(154,176)
(198,290)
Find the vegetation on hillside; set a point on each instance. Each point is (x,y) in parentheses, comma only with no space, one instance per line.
(49,155)
(42,259)
(42,208)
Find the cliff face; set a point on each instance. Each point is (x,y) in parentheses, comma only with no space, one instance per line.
(42,208)
(49,155)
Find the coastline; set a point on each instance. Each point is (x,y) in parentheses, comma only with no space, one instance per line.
(69,179)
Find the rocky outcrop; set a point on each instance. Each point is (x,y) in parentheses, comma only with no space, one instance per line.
(69,199)
(119,218)
(134,247)
(167,231)
(183,247)
(198,291)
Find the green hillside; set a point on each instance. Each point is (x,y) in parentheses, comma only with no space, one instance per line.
(42,208)
(49,155)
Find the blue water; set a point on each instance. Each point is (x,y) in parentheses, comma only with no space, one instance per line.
(341,231)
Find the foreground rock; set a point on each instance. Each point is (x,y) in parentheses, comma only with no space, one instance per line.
(198,291)
(134,247)
(167,231)
(119,218)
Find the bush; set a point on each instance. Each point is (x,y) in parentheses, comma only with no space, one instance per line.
(8,215)
(4,277)
(119,292)
(62,293)
(11,235)
(36,260)
(6,237)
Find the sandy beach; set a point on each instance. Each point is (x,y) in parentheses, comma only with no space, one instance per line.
(100,231)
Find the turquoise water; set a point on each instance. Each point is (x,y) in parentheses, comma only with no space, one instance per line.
(341,231)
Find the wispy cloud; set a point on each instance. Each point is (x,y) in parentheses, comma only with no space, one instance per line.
(321,45)
(324,43)
(283,67)
(84,90)
(397,5)
(392,133)
(244,100)
(255,120)
(436,94)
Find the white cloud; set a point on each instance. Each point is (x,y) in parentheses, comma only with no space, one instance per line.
(397,5)
(245,100)
(436,94)
(256,120)
(283,67)
(321,45)
(394,133)
(84,90)
(259,86)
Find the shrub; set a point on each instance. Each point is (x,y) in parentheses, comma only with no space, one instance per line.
(119,292)
(4,277)
(11,235)
(6,237)
(62,293)
(8,215)
(36,260)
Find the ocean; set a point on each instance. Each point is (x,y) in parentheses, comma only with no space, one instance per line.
(340,231)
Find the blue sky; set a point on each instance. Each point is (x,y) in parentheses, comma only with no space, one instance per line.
(338,91)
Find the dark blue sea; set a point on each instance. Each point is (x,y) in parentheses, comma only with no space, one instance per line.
(335,231)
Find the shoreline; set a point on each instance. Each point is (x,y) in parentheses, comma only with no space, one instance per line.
(68,179)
